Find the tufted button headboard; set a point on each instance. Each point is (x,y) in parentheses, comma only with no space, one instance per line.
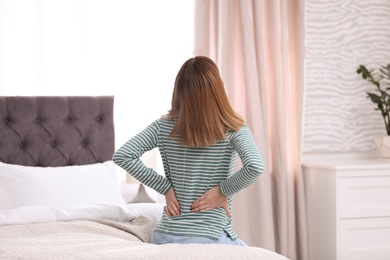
(56,130)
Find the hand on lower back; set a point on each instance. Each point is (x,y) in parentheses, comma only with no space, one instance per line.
(173,206)
(211,199)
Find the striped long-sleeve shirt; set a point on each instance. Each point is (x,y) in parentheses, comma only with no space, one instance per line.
(191,171)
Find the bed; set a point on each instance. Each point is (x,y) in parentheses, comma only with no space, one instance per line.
(59,198)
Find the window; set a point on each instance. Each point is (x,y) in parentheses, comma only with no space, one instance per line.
(130,49)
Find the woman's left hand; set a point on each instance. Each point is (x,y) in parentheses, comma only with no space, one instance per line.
(173,206)
(211,199)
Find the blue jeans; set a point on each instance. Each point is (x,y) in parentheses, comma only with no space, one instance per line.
(160,238)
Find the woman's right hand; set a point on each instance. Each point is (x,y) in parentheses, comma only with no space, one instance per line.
(211,199)
(173,206)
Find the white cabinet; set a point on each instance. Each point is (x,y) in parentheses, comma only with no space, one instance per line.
(348,210)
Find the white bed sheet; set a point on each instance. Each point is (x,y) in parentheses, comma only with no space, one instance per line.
(42,214)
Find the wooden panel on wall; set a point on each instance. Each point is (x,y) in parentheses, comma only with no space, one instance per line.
(340,35)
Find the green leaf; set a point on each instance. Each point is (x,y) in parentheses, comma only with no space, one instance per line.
(364,71)
(374,97)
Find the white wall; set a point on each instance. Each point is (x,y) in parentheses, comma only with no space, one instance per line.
(340,35)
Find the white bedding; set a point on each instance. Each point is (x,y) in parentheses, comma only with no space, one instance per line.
(152,211)
(104,239)
(71,217)
(42,214)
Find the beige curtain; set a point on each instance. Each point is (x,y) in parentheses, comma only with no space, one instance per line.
(258,46)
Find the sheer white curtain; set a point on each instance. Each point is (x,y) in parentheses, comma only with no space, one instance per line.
(258,45)
(130,49)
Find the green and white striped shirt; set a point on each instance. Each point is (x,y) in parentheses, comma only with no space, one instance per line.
(192,171)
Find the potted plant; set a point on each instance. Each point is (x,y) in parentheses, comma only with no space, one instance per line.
(381,97)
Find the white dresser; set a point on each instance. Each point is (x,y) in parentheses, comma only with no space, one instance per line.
(348,210)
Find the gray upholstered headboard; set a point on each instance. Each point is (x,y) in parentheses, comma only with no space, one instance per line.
(56,130)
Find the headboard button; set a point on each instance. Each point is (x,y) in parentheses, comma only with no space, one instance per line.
(53,144)
(98,119)
(23,145)
(37,120)
(83,144)
(7,120)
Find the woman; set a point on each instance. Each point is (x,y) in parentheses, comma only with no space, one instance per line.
(198,140)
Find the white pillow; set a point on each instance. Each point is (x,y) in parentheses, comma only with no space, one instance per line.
(153,211)
(58,187)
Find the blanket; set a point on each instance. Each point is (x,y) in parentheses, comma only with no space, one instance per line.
(105,239)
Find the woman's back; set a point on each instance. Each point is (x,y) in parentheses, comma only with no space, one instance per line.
(192,171)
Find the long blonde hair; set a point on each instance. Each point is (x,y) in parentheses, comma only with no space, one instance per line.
(200,105)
